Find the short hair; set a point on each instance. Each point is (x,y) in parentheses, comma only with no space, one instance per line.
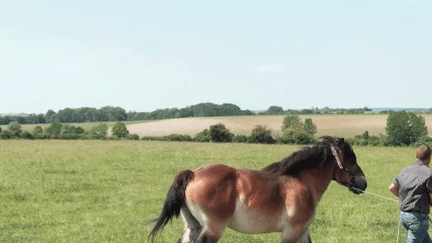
(423,153)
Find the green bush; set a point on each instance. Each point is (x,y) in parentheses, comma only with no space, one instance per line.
(79,130)
(286,139)
(203,136)
(15,129)
(69,136)
(260,134)
(364,142)
(120,130)
(240,139)
(297,136)
(427,141)
(99,131)
(374,141)
(54,130)
(27,135)
(133,136)
(6,134)
(37,131)
(151,138)
(220,134)
(113,137)
(177,137)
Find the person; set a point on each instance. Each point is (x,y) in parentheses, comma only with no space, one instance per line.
(413,187)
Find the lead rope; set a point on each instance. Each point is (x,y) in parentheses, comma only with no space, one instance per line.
(388,199)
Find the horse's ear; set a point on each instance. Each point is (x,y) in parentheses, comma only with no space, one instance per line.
(341,141)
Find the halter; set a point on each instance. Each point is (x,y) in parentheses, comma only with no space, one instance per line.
(338,161)
(341,167)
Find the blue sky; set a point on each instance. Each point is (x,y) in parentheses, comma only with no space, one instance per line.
(145,55)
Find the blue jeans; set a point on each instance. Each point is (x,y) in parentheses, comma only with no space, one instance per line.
(417,226)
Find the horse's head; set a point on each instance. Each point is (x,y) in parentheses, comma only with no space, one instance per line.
(347,172)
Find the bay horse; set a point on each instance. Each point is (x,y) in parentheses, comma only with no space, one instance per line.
(281,197)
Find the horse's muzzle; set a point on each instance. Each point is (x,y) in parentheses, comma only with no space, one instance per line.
(358,184)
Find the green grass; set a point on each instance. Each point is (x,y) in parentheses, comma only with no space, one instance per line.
(106,191)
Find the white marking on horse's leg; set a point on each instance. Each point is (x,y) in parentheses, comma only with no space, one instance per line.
(186,237)
(211,229)
(192,227)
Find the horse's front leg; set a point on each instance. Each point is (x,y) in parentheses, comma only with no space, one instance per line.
(296,235)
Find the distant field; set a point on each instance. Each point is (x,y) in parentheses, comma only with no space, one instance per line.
(333,125)
(106,191)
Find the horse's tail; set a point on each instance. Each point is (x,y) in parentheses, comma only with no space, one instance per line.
(174,201)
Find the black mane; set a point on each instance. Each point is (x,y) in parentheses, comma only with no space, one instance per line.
(308,157)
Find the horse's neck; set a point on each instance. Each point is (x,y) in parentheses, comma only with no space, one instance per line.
(317,179)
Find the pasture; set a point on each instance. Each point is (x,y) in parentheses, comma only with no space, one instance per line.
(106,191)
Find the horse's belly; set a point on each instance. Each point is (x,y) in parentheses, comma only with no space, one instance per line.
(255,221)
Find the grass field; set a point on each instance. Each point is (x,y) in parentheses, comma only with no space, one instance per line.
(106,191)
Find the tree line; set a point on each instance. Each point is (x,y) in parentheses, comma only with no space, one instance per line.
(403,129)
(66,131)
(110,113)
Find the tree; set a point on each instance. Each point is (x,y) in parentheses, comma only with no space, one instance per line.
(54,130)
(50,116)
(65,115)
(37,131)
(5,120)
(309,127)
(219,133)
(274,110)
(15,129)
(120,130)
(291,121)
(404,128)
(203,136)
(99,131)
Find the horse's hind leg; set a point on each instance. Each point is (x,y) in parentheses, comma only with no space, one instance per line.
(305,238)
(296,235)
(212,231)
(192,228)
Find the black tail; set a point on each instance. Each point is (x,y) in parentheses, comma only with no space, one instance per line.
(173,202)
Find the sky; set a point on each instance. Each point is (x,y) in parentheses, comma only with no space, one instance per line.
(147,55)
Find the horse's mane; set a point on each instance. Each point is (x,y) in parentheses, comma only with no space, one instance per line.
(306,158)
